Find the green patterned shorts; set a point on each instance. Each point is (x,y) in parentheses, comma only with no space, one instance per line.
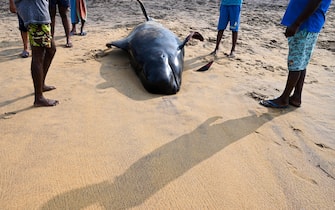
(40,35)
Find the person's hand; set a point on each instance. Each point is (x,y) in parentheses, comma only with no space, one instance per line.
(12,7)
(291,30)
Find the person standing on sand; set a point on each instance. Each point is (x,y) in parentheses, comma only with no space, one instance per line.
(63,8)
(304,20)
(23,31)
(78,14)
(230,11)
(36,17)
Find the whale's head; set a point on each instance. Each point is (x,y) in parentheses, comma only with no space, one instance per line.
(161,72)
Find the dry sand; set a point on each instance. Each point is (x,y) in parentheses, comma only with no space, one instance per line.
(111,145)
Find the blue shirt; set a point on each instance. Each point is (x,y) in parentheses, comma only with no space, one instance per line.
(231,2)
(33,11)
(314,23)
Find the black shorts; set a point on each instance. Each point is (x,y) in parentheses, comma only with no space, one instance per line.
(21,25)
(63,3)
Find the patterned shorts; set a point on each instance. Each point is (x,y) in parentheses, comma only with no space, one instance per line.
(40,35)
(301,47)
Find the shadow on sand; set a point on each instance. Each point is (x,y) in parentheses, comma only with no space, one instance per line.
(155,170)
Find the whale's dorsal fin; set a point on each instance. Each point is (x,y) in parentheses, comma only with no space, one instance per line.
(143,10)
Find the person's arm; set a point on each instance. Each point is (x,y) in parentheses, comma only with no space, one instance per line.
(12,7)
(311,7)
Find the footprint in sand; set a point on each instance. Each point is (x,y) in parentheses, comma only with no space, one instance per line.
(299,174)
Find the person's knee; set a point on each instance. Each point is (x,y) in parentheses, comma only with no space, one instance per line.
(52,50)
(52,11)
(63,11)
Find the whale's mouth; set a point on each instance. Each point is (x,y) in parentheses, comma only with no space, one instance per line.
(175,78)
(162,74)
(163,81)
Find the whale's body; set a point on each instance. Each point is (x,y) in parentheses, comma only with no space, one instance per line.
(156,54)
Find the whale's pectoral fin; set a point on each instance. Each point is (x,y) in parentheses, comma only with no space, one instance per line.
(194,35)
(109,45)
(122,44)
(206,67)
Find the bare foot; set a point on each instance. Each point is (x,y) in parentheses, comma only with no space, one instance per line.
(48,88)
(69,45)
(274,103)
(294,102)
(231,55)
(214,52)
(45,102)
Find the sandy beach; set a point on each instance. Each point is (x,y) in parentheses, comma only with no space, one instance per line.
(110,144)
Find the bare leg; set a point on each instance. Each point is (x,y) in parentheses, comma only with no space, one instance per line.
(37,73)
(283,100)
(218,40)
(49,55)
(63,11)
(82,27)
(234,41)
(25,39)
(73,30)
(52,11)
(295,99)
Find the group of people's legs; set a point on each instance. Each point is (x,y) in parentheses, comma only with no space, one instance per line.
(228,14)
(301,45)
(63,9)
(78,14)
(43,48)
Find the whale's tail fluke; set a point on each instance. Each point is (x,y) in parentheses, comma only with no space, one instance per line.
(143,10)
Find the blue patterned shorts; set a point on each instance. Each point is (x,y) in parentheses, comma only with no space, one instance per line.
(301,47)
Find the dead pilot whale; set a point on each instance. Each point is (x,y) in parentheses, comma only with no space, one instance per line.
(156,54)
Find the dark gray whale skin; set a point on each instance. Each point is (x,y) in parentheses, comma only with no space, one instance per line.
(156,54)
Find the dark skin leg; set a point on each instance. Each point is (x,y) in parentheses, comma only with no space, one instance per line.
(82,26)
(73,30)
(218,40)
(292,80)
(52,11)
(234,41)
(63,12)
(295,99)
(38,73)
(49,55)
(25,39)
